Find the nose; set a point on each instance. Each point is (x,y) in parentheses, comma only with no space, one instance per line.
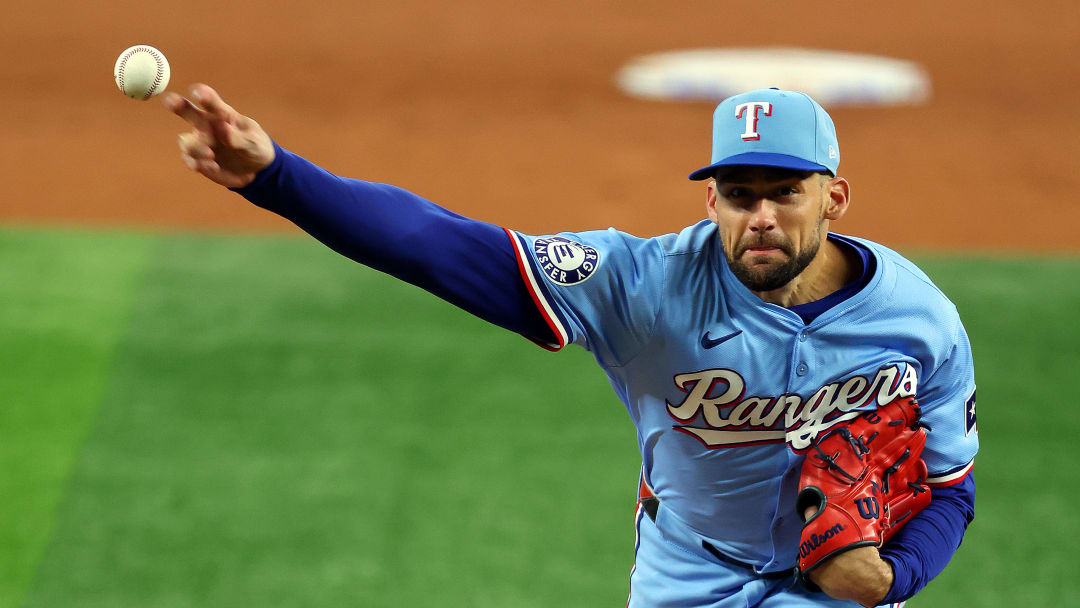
(762,216)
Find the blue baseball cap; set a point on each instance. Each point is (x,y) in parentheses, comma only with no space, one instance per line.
(773,128)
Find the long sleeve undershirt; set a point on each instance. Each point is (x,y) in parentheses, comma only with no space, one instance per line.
(924,546)
(471,264)
(466,262)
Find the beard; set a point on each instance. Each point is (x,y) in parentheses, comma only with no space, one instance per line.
(765,276)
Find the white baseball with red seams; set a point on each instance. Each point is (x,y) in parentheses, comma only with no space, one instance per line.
(141,72)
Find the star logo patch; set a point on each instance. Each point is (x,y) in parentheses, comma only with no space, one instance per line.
(969,415)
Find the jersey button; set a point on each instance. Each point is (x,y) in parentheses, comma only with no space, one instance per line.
(803,335)
(801,369)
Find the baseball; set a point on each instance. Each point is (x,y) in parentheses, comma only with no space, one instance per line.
(141,72)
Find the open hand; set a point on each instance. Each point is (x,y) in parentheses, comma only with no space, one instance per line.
(223,145)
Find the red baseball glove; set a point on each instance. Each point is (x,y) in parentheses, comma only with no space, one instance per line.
(867,479)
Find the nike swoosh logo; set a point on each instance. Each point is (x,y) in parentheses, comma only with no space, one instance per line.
(707,342)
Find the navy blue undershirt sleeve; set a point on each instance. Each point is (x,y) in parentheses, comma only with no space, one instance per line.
(466,262)
(924,546)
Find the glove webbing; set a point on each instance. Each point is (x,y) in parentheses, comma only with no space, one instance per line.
(894,467)
(857,445)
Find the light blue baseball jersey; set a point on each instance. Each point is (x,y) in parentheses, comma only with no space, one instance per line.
(727,391)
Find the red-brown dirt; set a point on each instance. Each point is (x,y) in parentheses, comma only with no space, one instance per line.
(506,111)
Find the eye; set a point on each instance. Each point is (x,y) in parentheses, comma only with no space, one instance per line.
(736,192)
(787,191)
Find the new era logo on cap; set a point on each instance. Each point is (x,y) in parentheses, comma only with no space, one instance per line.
(773,128)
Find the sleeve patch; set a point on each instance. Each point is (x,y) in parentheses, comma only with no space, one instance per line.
(565,262)
(969,415)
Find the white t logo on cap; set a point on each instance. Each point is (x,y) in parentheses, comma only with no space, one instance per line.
(751,133)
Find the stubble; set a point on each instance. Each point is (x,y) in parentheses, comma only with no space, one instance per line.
(766,277)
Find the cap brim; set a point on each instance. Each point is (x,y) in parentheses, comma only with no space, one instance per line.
(763,159)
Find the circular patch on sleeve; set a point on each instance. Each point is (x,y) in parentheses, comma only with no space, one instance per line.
(565,262)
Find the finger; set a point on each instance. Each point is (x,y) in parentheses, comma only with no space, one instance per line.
(221,117)
(191,163)
(197,139)
(196,142)
(210,101)
(223,132)
(208,168)
(187,141)
(204,137)
(183,108)
(193,145)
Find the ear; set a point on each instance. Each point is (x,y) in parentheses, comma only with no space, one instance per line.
(838,191)
(711,196)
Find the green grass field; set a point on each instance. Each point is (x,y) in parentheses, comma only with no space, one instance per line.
(254,421)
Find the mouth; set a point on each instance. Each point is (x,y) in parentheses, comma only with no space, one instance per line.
(763,252)
(763,255)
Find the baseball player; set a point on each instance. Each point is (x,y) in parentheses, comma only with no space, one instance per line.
(741,346)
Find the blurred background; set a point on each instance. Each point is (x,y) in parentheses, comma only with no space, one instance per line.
(200,406)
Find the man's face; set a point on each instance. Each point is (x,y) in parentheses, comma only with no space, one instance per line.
(771,221)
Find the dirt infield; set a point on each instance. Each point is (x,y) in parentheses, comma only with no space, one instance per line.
(506,111)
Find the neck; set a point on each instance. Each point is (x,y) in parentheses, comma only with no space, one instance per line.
(831,269)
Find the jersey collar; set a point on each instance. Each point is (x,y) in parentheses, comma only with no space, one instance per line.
(735,289)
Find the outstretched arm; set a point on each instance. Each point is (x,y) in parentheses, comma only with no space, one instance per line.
(469,263)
